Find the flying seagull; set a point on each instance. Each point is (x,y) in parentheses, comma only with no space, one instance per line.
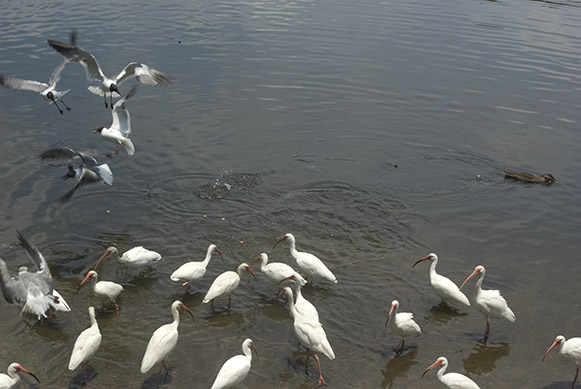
(142,72)
(87,172)
(47,91)
(120,128)
(33,291)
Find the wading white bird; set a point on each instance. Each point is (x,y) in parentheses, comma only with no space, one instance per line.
(451,380)
(402,324)
(33,291)
(225,283)
(571,349)
(489,302)
(47,91)
(87,172)
(106,291)
(86,346)
(235,369)
(443,287)
(302,305)
(275,271)
(12,379)
(310,334)
(163,341)
(142,72)
(120,128)
(308,264)
(135,258)
(192,271)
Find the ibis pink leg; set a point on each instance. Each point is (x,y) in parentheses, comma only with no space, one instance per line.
(83,365)
(575,379)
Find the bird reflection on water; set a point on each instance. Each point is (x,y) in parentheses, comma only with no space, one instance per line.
(483,359)
(398,367)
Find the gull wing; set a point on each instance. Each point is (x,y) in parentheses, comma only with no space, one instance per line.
(144,74)
(56,74)
(19,84)
(60,153)
(13,289)
(76,54)
(35,255)
(87,177)
(121,117)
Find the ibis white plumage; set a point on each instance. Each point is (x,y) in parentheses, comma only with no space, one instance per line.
(106,291)
(443,287)
(302,305)
(135,258)
(226,283)
(275,271)
(309,265)
(489,302)
(402,324)
(569,348)
(235,369)
(191,271)
(10,380)
(163,341)
(310,334)
(86,345)
(451,380)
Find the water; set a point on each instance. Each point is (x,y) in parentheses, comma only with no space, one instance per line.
(361,127)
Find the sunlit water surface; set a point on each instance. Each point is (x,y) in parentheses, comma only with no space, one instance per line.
(374,131)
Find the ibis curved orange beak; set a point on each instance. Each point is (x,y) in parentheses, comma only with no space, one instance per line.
(278,241)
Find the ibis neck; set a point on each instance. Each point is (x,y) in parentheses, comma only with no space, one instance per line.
(442,371)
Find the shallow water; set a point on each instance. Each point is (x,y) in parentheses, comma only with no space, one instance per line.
(376,132)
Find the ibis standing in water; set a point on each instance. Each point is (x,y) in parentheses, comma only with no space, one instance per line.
(192,271)
(303,306)
(235,369)
(570,348)
(309,265)
(86,346)
(136,258)
(489,302)
(33,291)
(275,271)
(451,380)
(402,324)
(163,341)
(12,379)
(226,283)
(443,287)
(310,334)
(106,291)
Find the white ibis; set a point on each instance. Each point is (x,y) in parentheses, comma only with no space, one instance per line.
(443,287)
(86,345)
(235,369)
(308,264)
(135,258)
(311,334)
(47,91)
(192,271)
(12,379)
(87,172)
(225,283)
(275,271)
(106,291)
(142,72)
(402,324)
(303,306)
(33,291)
(120,128)
(451,380)
(489,302)
(570,348)
(163,341)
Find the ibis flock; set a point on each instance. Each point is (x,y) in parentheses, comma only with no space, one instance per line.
(33,292)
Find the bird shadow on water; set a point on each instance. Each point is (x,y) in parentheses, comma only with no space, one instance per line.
(220,319)
(398,367)
(78,381)
(443,313)
(154,381)
(485,355)
(559,385)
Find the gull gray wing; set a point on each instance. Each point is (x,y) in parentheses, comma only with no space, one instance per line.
(19,84)
(87,177)
(144,74)
(76,54)
(121,117)
(13,289)
(34,254)
(56,74)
